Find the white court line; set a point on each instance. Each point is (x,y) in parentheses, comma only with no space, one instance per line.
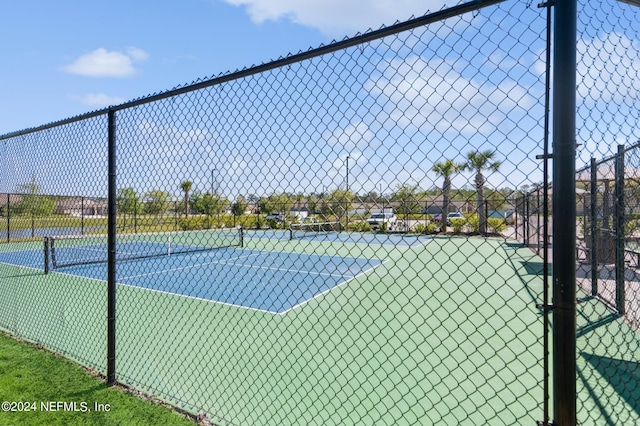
(349,278)
(298,271)
(217,262)
(198,298)
(334,287)
(41,269)
(170,293)
(251,266)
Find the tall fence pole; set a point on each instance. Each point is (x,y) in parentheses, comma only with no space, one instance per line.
(526,229)
(81,215)
(8,218)
(593,251)
(111,257)
(537,210)
(564,213)
(545,215)
(515,218)
(175,215)
(619,229)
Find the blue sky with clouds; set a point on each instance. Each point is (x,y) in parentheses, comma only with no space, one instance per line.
(470,83)
(68,57)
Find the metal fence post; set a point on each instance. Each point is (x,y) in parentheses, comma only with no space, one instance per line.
(619,229)
(82,215)
(8,218)
(111,267)
(516,213)
(538,239)
(593,251)
(526,224)
(564,213)
(46,255)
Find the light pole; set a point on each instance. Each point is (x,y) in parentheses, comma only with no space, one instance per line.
(211,203)
(215,200)
(346,201)
(347,172)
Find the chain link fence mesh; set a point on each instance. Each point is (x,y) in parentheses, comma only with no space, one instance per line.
(50,171)
(342,239)
(607,134)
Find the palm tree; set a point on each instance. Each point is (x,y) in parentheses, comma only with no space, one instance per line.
(446,169)
(186,187)
(479,162)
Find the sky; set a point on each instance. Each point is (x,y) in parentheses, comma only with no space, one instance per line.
(373,117)
(69,57)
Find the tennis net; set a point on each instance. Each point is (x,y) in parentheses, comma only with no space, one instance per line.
(65,251)
(306,230)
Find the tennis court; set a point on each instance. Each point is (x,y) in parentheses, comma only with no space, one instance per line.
(180,262)
(380,345)
(388,239)
(386,337)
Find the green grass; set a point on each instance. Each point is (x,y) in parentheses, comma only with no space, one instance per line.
(24,222)
(34,376)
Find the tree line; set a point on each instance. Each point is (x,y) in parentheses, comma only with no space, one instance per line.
(156,202)
(405,198)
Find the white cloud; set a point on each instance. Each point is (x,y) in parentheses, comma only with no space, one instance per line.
(100,100)
(104,63)
(352,137)
(615,56)
(137,54)
(435,93)
(338,17)
(163,153)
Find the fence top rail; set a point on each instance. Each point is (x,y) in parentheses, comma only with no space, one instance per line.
(612,157)
(283,61)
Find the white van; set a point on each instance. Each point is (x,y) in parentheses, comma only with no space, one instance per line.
(377,219)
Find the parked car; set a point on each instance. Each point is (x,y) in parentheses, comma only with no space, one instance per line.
(454,215)
(278,217)
(377,219)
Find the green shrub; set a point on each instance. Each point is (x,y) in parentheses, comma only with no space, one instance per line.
(274,224)
(457,224)
(360,226)
(194,223)
(429,228)
(473,223)
(247,221)
(495,225)
(419,229)
(631,227)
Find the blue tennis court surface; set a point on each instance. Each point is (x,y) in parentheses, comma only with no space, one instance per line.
(263,280)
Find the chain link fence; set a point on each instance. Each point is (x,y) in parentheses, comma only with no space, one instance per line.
(607,134)
(337,237)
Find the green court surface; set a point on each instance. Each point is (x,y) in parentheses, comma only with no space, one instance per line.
(445,332)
